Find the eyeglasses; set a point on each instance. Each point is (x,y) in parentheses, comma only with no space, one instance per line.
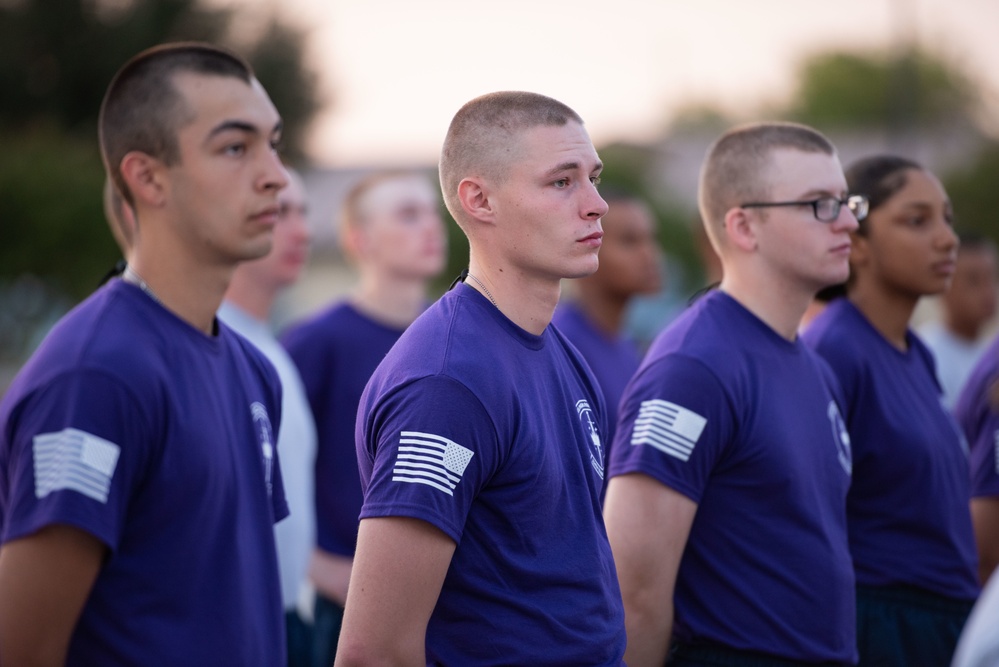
(826,209)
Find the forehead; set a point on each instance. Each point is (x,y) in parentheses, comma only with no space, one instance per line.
(627,215)
(393,193)
(793,174)
(546,148)
(211,100)
(920,187)
(294,192)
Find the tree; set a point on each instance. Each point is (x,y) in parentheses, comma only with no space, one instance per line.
(973,192)
(916,89)
(56,59)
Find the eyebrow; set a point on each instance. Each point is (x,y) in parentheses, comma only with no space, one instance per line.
(571,166)
(241,126)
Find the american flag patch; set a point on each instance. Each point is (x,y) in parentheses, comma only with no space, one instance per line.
(74,460)
(671,429)
(425,458)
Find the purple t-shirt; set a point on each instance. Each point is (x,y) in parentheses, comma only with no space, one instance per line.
(613,359)
(747,425)
(492,435)
(159,441)
(336,352)
(907,509)
(977,410)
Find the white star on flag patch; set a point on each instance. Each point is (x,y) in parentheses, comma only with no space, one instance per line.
(74,460)
(671,429)
(425,458)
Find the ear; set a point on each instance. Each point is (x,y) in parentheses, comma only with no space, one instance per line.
(473,193)
(144,176)
(740,229)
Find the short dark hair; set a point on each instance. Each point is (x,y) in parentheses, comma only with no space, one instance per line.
(482,132)
(142,109)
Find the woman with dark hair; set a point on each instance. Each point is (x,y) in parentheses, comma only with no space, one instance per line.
(907,510)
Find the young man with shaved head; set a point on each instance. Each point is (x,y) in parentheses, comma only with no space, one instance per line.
(726,507)
(479,436)
(139,482)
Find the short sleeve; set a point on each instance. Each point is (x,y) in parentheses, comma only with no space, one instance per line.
(78,449)
(675,425)
(425,452)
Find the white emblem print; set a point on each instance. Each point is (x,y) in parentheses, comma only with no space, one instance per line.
(590,428)
(262,424)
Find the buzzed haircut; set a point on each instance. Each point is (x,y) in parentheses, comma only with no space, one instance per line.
(352,211)
(142,109)
(736,169)
(483,132)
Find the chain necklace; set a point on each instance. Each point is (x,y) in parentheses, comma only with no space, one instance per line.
(484,289)
(130,276)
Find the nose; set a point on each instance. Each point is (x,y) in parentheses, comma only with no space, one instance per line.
(595,206)
(846,221)
(948,238)
(274,176)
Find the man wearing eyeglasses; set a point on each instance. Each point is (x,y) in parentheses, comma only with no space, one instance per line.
(731,462)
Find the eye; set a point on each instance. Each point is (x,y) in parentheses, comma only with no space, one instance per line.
(561,183)
(235,150)
(595,180)
(277,145)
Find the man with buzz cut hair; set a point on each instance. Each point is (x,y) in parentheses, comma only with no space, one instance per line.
(139,481)
(726,506)
(391,231)
(478,436)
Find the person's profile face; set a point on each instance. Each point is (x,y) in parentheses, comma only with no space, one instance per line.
(223,190)
(910,241)
(630,255)
(547,208)
(402,228)
(790,240)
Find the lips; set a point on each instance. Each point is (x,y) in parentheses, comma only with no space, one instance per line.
(268,216)
(595,237)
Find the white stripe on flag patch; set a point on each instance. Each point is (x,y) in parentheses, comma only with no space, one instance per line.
(74,460)
(425,458)
(668,427)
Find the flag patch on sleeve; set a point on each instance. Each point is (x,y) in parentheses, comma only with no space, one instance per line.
(671,429)
(425,458)
(74,460)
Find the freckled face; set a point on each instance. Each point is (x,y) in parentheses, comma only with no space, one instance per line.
(547,206)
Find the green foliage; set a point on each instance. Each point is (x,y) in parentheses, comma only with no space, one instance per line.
(56,59)
(974,194)
(53,223)
(871,90)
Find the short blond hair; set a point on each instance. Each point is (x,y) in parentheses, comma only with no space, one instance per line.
(736,169)
(483,133)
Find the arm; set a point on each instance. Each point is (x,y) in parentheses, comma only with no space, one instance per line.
(648,524)
(330,573)
(45,579)
(985,519)
(399,568)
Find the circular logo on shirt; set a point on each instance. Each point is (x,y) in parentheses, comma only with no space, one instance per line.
(265,435)
(589,423)
(841,438)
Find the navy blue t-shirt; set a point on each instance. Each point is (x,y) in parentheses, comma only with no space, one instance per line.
(907,509)
(158,440)
(336,352)
(977,411)
(493,435)
(747,424)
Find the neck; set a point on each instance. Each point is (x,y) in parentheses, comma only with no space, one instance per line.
(525,301)
(391,301)
(191,290)
(254,299)
(888,313)
(603,309)
(778,303)
(968,331)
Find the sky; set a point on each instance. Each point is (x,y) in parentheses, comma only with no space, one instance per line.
(397,70)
